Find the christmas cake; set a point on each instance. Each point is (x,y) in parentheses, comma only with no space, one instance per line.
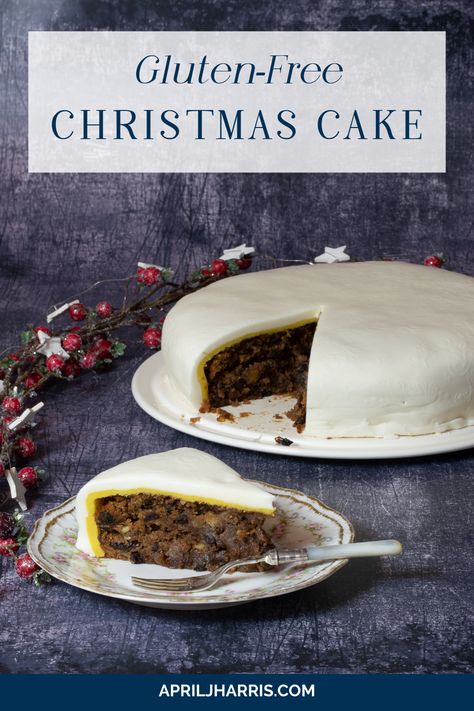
(180,509)
(369,349)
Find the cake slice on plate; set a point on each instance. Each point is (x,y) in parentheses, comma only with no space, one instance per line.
(181,509)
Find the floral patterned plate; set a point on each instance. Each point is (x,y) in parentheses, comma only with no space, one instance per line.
(301,520)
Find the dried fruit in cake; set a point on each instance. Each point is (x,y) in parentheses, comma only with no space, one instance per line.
(180,509)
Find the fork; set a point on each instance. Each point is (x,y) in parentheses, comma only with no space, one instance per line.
(274,557)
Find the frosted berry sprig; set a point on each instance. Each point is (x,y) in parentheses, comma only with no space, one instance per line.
(13,534)
(221,268)
(87,340)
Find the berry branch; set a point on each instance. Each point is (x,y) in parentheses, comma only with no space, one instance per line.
(65,353)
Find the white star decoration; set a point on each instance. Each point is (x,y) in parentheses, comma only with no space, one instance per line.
(144,265)
(60,310)
(17,490)
(50,346)
(333,254)
(237,252)
(25,416)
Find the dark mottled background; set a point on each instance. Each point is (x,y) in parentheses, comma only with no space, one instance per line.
(62,232)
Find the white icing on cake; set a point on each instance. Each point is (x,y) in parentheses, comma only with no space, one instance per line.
(185,472)
(393,351)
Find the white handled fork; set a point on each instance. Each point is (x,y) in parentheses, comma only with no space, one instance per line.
(274,557)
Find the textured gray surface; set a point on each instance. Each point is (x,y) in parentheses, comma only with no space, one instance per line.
(412,614)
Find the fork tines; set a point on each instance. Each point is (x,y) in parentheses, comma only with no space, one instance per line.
(171,585)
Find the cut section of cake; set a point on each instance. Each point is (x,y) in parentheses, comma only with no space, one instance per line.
(271,363)
(181,509)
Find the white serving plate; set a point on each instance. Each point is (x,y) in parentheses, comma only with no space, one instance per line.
(300,521)
(156,395)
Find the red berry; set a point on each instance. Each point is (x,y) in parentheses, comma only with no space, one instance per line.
(71,368)
(8,546)
(103,309)
(13,356)
(28,477)
(219,267)
(2,374)
(244,263)
(77,312)
(205,272)
(25,566)
(7,525)
(54,363)
(25,447)
(152,337)
(434,261)
(148,275)
(12,405)
(2,466)
(101,348)
(72,342)
(45,329)
(32,380)
(88,361)
(74,329)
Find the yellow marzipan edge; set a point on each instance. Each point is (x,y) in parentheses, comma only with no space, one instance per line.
(202,364)
(92,528)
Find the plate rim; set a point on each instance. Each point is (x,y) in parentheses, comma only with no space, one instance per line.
(320,448)
(162,600)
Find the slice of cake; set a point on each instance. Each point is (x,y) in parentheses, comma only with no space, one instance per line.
(180,509)
(370,349)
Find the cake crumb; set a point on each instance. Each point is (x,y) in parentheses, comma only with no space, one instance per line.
(223,415)
(284,441)
(277,417)
(245,414)
(193,420)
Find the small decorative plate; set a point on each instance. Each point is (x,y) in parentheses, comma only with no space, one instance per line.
(300,521)
(257,425)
